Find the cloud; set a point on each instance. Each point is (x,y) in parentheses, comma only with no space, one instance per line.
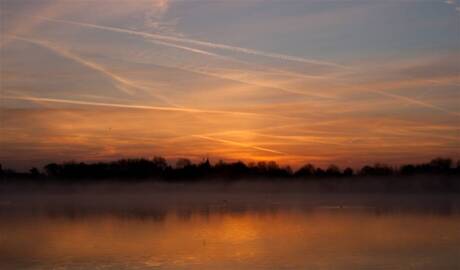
(415,101)
(243,50)
(453,3)
(190,49)
(123,83)
(249,82)
(201,43)
(154,17)
(239,144)
(280,107)
(255,83)
(19,26)
(129,106)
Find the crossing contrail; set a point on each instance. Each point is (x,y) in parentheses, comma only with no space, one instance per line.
(242,50)
(248,82)
(380,92)
(227,58)
(239,144)
(123,83)
(200,43)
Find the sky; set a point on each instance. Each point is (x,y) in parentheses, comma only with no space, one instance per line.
(322,82)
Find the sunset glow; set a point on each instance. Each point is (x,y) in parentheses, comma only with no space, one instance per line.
(344,82)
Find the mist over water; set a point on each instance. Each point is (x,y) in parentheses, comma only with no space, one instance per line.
(239,225)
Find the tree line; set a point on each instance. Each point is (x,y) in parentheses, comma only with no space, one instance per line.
(158,168)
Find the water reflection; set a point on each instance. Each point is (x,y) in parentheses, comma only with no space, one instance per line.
(223,235)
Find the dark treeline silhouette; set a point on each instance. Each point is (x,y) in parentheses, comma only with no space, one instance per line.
(159,169)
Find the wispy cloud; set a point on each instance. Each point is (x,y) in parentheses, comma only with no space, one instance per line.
(201,43)
(107,80)
(239,144)
(415,101)
(154,17)
(24,27)
(247,51)
(128,84)
(189,49)
(129,106)
(122,83)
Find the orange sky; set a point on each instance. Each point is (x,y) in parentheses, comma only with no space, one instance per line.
(346,83)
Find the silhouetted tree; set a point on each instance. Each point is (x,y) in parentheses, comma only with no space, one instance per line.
(160,163)
(306,171)
(333,171)
(441,164)
(407,169)
(34,172)
(348,172)
(376,170)
(157,168)
(320,172)
(2,173)
(182,163)
(53,170)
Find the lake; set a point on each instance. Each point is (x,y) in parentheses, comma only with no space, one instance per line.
(227,230)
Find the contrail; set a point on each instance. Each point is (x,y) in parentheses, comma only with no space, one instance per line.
(287,139)
(219,56)
(248,82)
(129,83)
(200,43)
(414,101)
(127,106)
(380,92)
(66,54)
(215,75)
(121,80)
(239,144)
(185,48)
(243,50)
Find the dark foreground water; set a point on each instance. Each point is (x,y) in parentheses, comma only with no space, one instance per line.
(202,229)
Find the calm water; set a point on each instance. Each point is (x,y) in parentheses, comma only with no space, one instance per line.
(222,234)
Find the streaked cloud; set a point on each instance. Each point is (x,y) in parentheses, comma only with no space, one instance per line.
(264,149)
(127,106)
(199,43)
(332,82)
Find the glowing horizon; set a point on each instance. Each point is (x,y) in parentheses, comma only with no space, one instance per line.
(302,82)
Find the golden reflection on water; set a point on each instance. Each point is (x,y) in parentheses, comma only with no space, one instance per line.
(321,239)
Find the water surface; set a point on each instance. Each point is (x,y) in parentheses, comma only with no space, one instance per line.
(340,232)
